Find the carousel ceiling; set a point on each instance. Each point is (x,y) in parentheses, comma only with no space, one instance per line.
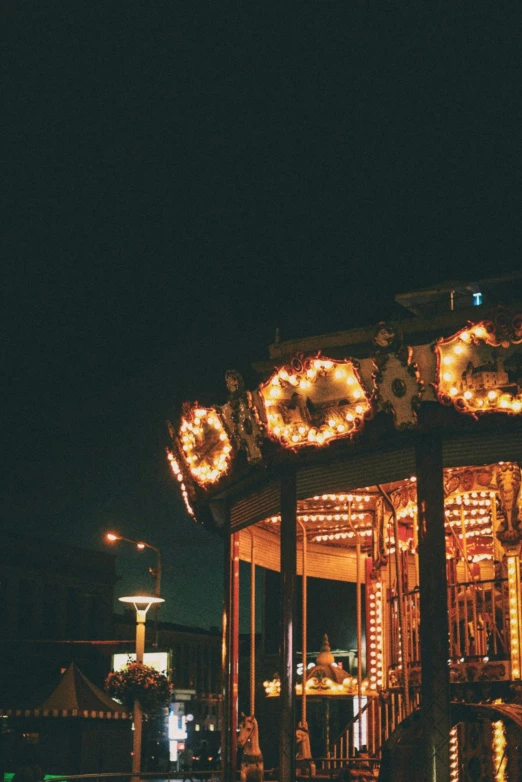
(366,515)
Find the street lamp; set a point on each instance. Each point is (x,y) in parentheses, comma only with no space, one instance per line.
(141,603)
(112,537)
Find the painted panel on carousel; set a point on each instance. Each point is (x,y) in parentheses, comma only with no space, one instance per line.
(479,369)
(205,445)
(396,376)
(314,400)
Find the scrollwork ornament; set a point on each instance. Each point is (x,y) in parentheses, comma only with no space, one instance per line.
(239,417)
(398,387)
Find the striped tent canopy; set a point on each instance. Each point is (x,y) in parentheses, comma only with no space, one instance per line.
(74,696)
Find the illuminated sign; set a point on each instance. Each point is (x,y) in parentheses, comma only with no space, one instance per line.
(157,660)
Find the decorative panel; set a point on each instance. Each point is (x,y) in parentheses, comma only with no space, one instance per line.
(479,369)
(204,444)
(314,400)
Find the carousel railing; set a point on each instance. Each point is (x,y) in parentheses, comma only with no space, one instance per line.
(477,613)
(478,617)
(411,619)
(365,734)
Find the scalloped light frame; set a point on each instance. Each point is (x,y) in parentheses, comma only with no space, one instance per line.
(313,401)
(460,380)
(205,445)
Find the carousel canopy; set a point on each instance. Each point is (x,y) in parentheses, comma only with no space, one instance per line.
(317,408)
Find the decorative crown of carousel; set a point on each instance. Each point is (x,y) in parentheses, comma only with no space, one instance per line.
(312,401)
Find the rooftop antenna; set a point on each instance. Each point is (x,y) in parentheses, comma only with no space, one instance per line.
(452,300)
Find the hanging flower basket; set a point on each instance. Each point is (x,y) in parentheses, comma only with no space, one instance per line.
(139,682)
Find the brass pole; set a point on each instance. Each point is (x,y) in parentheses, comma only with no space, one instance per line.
(304,620)
(252,624)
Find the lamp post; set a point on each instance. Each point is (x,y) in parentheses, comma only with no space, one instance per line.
(141,603)
(112,537)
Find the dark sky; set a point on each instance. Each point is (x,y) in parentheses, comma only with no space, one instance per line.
(182,178)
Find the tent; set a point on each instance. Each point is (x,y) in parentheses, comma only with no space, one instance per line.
(76,726)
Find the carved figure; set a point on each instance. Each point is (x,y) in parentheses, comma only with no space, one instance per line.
(252,766)
(305,766)
(508,482)
(239,418)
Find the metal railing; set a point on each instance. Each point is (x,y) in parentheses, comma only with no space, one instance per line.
(411,615)
(382,715)
(477,615)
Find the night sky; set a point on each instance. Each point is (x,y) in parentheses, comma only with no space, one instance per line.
(179,179)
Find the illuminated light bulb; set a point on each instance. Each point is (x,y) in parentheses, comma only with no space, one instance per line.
(349,416)
(302,430)
(517,406)
(468,395)
(275,381)
(318,364)
(339,374)
(458,350)
(310,374)
(277,430)
(341,427)
(453,391)
(480,331)
(295,438)
(492,394)
(447,360)
(465,336)
(350,380)
(359,409)
(283,374)
(504,403)
(304,383)
(275,391)
(328,364)
(447,376)
(331,422)
(357,394)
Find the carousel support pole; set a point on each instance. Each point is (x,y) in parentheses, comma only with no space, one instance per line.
(287,742)
(304,622)
(359,635)
(435,701)
(327,729)
(230,658)
(252,623)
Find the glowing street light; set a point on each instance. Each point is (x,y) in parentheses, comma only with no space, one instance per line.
(112,537)
(141,603)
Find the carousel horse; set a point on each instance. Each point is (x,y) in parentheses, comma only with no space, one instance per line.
(304,766)
(252,768)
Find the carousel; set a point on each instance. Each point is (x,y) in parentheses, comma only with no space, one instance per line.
(389,458)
